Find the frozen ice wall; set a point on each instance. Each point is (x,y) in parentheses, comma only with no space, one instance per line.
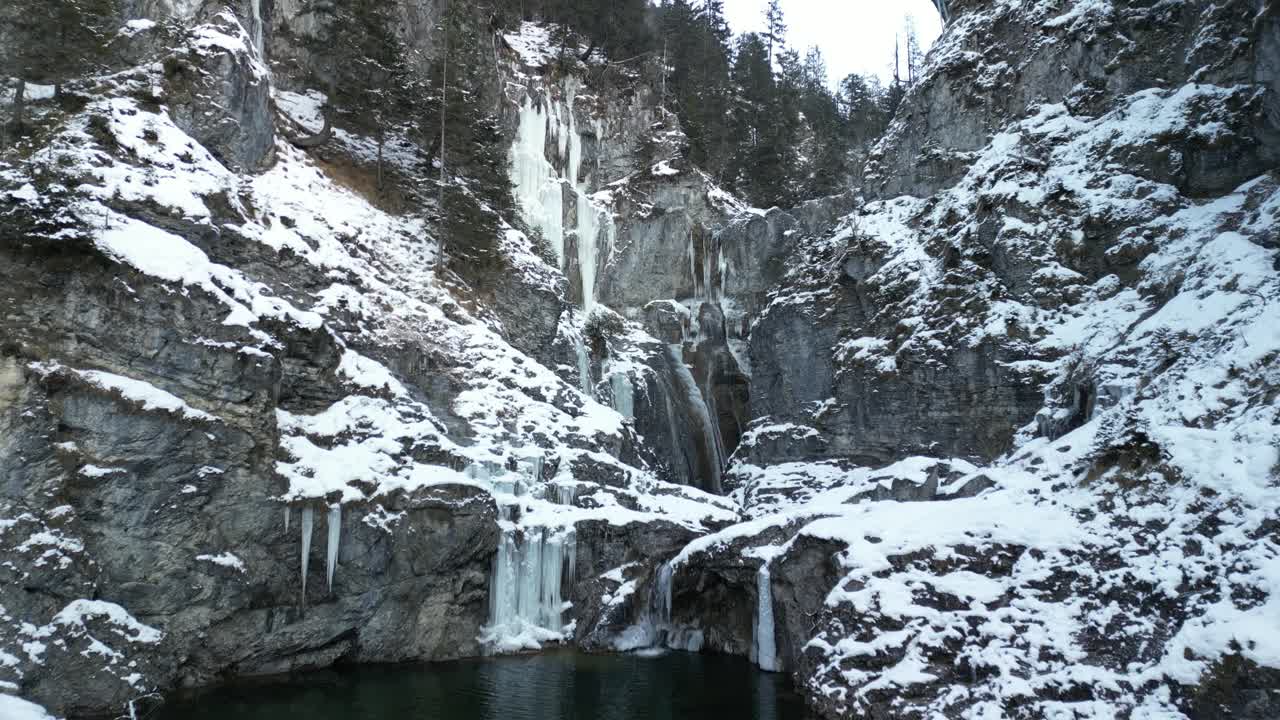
(546,165)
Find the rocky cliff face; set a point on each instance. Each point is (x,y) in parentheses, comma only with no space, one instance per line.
(1055,279)
(994,435)
(245,428)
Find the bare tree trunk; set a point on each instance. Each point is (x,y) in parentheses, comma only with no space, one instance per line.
(444,113)
(382,140)
(19,104)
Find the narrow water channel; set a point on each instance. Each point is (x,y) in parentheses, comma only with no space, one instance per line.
(554,686)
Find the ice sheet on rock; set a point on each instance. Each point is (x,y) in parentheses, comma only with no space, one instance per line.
(369,374)
(164,255)
(305,108)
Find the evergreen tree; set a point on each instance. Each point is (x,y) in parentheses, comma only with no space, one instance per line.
(698,83)
(369,75)
(824,170)
(914,55)
(861,105)
(713,62)
(475,190)
(756,169)
(775,32)
(53,41)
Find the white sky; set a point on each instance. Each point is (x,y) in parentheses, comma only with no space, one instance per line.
(854,35)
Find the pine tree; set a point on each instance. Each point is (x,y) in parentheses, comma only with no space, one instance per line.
(775,27)
(369,72)
(475,190)
(698,83)
(915,57)
(825,169)
(861,105)
(756,169)
(713,141)
(53,41)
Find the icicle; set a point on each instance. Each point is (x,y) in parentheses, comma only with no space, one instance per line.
(531,469)
(566,494)
(308,521)
(287,513)
(766,649)
(335,534)
(550,573)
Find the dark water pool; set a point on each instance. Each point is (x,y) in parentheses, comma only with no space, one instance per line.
(672,686)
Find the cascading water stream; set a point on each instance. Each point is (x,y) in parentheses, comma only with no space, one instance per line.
(698,405)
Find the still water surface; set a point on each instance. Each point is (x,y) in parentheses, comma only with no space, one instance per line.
(564,685)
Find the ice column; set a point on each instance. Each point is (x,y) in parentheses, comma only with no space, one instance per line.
(286,518)
(624,399)
(335,534)
(308,521)
(766,649)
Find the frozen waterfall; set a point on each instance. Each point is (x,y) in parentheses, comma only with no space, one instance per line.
(525,602)
(584,366)
(540,188)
